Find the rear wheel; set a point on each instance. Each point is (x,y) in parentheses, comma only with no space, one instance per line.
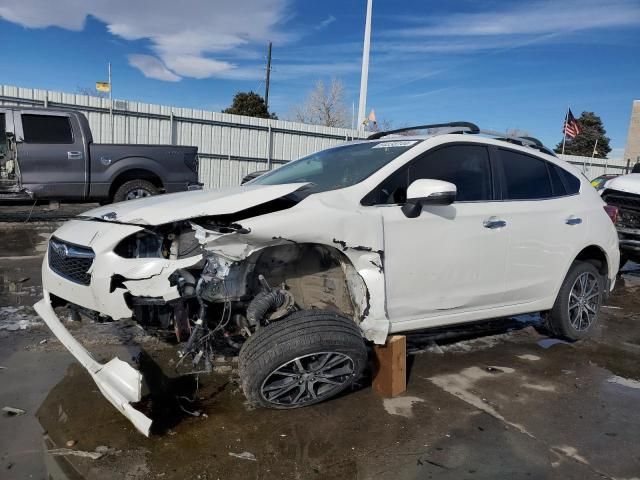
(577,307)
(135,189)
(305,358)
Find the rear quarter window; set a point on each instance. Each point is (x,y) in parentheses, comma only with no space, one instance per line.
(571,182)
(46,129)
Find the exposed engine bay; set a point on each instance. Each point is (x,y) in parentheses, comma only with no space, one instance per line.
(222,298)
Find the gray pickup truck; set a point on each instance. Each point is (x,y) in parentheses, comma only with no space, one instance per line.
(48,154)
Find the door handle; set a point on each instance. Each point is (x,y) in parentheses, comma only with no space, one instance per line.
(74,155)
(573,220)
(494,222)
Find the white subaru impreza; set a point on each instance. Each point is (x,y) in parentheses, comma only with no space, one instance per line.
(302,266)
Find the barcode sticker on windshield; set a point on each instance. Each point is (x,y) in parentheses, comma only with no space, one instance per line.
(401,143)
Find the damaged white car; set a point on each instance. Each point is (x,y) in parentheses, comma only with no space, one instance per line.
(304,265)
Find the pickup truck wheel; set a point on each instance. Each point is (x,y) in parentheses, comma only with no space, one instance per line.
(577,307)
(302,359)
(134,189)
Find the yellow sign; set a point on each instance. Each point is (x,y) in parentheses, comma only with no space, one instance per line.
(103,86)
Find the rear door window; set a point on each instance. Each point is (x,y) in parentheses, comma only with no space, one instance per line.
(46,129)
(525,177)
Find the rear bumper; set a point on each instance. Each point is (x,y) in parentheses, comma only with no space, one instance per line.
(119,382)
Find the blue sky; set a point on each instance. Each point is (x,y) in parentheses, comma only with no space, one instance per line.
(503,64)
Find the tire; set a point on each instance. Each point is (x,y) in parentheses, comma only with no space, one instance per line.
(313,337)
(576,322)
(135,189)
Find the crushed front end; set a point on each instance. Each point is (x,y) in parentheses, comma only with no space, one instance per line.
(628,221)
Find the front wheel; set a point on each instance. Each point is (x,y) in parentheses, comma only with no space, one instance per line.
(577,307)
(305,358)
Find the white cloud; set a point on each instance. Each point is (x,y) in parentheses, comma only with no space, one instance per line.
(326,22)
(151,67)
(530,18)
(183,36)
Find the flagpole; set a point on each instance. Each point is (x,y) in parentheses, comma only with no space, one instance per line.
(111,103)
(564,129)
(594,148)
(364,73)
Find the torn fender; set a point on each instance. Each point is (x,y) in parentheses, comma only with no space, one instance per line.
(118,381)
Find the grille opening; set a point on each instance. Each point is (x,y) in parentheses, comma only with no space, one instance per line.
(70,261)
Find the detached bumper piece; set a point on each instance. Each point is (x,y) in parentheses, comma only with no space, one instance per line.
(118,381)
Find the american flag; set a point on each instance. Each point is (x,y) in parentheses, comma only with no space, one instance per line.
(571,126)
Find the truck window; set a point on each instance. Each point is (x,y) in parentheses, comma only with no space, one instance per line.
(46,129)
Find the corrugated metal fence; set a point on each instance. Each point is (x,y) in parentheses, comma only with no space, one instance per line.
(594,167)
(229,146)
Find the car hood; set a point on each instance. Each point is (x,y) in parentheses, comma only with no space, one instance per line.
(185,205)
(625,183)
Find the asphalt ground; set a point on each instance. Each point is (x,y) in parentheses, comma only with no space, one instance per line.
(501,400)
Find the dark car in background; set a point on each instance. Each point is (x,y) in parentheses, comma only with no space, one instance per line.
(250,176)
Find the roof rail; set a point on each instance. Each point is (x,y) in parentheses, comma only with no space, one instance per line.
(465,127)
(522,141)
(472,128)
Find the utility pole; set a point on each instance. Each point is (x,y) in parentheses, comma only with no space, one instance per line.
(266,88)
(364,76)
(111,104)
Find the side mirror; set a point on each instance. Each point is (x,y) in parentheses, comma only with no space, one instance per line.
(425,192)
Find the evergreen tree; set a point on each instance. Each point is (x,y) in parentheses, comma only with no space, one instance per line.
(249,104)
(591,128)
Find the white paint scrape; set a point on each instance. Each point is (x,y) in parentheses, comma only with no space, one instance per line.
(402,406)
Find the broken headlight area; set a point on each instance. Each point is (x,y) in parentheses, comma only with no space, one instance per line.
(172,241)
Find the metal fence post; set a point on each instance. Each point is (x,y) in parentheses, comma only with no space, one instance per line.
(172,138)
(269,147)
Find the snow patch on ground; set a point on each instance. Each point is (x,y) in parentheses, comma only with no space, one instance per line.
(18,318)
(528,356)
(625,382)
(402,406)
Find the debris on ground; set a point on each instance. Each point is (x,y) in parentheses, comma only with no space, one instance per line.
(77,453)
(13,412)
(70,443)
(99,452)
(244,456)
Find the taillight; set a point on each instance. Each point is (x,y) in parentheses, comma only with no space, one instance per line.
(612,212)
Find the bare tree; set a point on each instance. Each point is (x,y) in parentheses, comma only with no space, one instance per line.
(324,106)
(91,92)
(516,132)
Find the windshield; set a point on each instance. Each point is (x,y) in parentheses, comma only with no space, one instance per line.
(337,167)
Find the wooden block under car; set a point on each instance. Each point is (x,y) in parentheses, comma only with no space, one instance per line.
(390,376)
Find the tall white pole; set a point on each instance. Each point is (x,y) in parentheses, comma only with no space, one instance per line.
(111,103)
(365,68)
